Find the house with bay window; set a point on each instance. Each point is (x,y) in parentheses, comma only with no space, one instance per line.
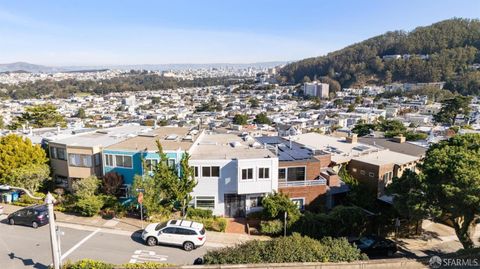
(80,155)
(126,157)
(233,174)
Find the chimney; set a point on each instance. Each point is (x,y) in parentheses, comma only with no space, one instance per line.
(352,139)
(31,130)
(58,129)
(399,139)
(155,124)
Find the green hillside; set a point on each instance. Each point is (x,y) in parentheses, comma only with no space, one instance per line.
(451,45)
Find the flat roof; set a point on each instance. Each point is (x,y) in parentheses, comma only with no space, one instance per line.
(103,137)
(228,146)
(405,148)
(286,150)
(386,157)
(171,138)
(338,147)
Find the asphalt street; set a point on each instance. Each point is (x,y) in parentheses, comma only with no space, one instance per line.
(25,247)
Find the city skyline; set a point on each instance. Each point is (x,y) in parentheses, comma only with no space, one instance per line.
(128,33)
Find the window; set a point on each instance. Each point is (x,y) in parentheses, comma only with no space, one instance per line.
(371,174)
(282,173)
(123,161)
(169,230)
(108,159)
(210,171)
(195,171)
(184,231)
(97,159)
(300,202)
(151,164)
(263,173)
(256,201)
(57,153)
(247,173)
(205,202)
(296,173)
(80,160)
(171,162)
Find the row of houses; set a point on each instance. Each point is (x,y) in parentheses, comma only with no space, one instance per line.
(234,171)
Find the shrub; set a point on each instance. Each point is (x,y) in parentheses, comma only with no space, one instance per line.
(26,200)
(89,205)
(88,264)
(215,224)
(200,213)
(294,248)
(276,204)
(271,227)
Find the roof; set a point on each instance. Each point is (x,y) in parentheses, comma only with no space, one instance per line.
(384,157)
(405,148)
(229,146)
(171,138)
(103,137)
(286,150)
(340,149)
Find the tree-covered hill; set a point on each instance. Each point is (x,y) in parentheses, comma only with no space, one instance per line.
(452,47)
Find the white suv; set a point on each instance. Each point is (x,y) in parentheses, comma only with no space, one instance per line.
(185,233)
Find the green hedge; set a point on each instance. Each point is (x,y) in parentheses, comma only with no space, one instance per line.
(215,224)
(294,248)
(94,264)
(199,213)
(271,227)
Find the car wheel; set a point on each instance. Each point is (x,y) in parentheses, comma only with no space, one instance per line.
(34,225)
(188,246)
(11,221)
(151,241)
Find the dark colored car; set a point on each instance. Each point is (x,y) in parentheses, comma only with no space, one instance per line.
(34,216)
(376,246)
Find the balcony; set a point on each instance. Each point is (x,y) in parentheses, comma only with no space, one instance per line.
(303,183)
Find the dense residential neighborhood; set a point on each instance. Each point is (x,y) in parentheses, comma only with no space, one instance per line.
(155,134)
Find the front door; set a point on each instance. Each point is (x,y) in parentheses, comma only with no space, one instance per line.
(234,205)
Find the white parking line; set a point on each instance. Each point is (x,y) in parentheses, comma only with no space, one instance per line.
(80,243)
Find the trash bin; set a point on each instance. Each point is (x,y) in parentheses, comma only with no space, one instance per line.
(15,196)
(7,197)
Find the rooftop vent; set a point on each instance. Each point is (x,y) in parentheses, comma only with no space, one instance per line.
(171,137)
(235,144)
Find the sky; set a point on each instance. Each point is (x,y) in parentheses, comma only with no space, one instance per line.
(116,32)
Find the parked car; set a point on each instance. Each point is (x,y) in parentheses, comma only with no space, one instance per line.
(376,246)
(184,233)
(34,216)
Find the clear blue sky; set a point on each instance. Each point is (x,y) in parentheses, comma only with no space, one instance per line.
(109,32)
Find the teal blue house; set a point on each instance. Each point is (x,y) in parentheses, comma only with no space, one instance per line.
(125,158)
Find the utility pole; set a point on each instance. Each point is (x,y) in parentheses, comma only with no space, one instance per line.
(56,256)
(285,224)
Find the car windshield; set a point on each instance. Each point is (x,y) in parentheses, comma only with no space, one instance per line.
(160,226)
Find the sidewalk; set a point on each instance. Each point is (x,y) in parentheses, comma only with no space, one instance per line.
(129,226)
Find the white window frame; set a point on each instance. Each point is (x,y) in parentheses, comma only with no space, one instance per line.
(112,163)
(81,159)
(204,198)
(123,156)
(300,166)
(200,171)
(299,198)
(247,179)
(149,168)
(284,168)
(264,178)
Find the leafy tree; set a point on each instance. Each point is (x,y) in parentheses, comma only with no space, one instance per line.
(240,119)
(112,182)
(262,118)
(86,186)
(42,116)
(254,103)
(185,184)
(81,113)
(363,129)
(360,194)
(351,108)
(409,199)
(451,108)
(449,186)
(22,163)
(338,102)
(85,190)
(275,205)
